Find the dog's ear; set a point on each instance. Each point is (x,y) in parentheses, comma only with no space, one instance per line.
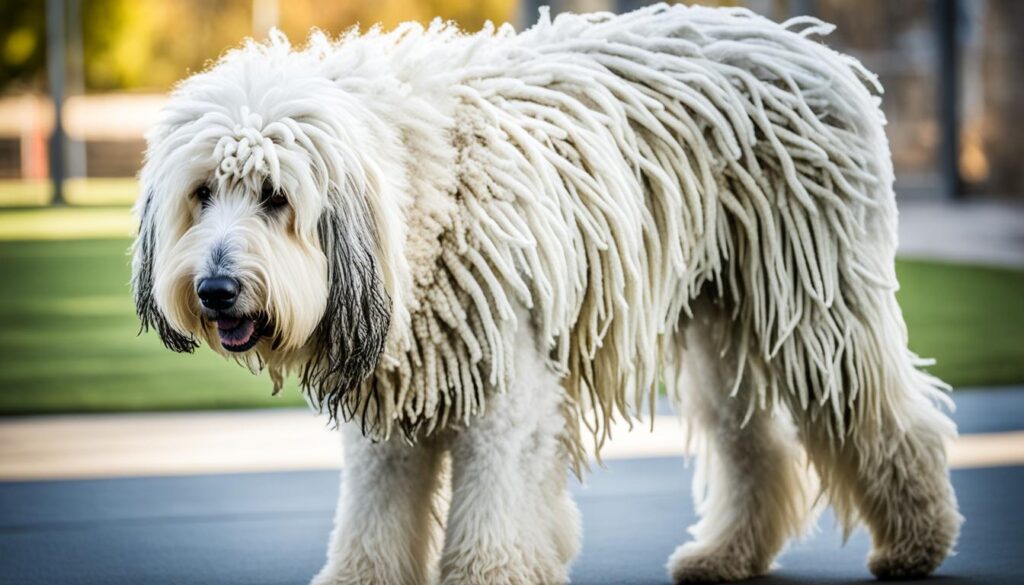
(149,314)
(352,333)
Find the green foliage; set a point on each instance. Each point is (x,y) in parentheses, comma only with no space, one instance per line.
(22,42)
(68,334)
(151,44)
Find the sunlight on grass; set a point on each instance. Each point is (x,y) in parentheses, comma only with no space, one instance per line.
(59,223)
(92,191)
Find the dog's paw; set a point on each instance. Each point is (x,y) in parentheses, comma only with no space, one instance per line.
(905,563)
(500,575)
(327,578)
(331,575)
(509,567)
(920,549)
(697,563)
(333,578)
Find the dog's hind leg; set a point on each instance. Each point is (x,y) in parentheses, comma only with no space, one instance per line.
(751,487)
(889,468)
(385,532)
(512,520)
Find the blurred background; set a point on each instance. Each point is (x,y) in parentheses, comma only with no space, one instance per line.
(81,80)
(124,463)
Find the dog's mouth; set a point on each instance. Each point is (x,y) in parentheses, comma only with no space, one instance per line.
(241,333)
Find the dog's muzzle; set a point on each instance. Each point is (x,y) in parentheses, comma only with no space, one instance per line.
(218,293)
(240,334)
(237,333)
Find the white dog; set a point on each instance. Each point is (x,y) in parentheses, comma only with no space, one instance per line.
(467,245)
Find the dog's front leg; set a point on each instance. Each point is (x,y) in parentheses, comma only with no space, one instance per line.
(512,520)
(384,527)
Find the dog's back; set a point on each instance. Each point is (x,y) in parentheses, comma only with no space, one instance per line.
(686,150)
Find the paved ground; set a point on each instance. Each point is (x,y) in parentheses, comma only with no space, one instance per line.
(270,528)
(982,232)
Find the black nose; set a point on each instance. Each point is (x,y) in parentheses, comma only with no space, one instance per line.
(218,293)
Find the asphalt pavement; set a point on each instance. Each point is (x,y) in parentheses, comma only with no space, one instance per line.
(271,528)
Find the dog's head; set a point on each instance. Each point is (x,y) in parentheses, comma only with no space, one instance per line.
(264,228)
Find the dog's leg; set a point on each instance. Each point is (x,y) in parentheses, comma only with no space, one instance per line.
(385,526)
(751,488)
(512,520)
(895,479)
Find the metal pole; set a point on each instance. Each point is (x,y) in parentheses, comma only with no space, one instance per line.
(55,47)
(76,164)
(528,13)
(624,6)
(801,8)
(946,14)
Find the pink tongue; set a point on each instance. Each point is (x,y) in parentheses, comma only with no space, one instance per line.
(227,323)
(235,332)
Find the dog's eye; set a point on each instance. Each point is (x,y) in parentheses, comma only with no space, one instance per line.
(202,194)
(272,198)
(278,200)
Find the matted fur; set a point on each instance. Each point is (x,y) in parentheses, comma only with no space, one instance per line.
(603,172)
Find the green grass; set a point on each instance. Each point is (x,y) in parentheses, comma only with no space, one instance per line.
(68,334)
(93,191)
(68,340)
(969,318)
(66,223)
